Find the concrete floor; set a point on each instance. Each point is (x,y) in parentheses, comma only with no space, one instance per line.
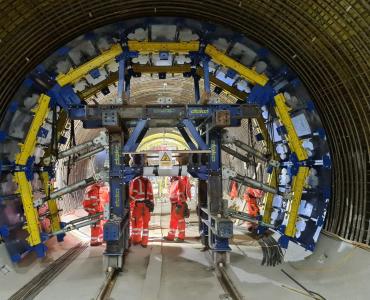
(337,270)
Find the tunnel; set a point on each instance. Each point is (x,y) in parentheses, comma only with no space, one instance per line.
(292,79)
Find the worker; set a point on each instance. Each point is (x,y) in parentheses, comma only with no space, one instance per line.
(142,203)
(179,193)
(252,195)
(233,190)
(96,197)
(187,186)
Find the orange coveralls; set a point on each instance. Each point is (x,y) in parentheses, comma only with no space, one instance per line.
(96,196)
(140,190)
(179,193)
(251,195)
(234,190)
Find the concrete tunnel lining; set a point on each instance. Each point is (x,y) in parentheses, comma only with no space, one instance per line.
(313,38)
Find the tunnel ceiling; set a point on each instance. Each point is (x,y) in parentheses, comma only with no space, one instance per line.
(325,42)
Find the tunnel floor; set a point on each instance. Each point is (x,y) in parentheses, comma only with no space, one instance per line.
(167,270)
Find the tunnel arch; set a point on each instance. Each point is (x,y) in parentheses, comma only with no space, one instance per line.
(312,37)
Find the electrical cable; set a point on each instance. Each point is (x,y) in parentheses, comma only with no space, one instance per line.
(311,293)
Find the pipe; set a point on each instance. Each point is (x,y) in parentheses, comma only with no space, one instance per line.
(237,155)
(250,150)
(86,155)
(255,184)
(72,226)
(68,189)
(245,217)
(75,149)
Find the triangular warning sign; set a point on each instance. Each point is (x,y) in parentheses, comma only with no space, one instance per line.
(165,157)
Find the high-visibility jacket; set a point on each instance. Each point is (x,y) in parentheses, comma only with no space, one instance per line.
(140,189)
(96,196)
(186,182)
(233,190)
(251,195)
(179,190)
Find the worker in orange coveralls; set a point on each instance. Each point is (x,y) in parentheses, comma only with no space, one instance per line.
(96,197)
(234,190)
(179,193)
(142,204)
(187,186)
(251,195)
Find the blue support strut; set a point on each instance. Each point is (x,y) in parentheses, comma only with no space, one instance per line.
(194,132)
(121,78)
(136,136)
(207,83)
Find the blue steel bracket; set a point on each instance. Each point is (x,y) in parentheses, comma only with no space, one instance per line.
(65,97)
(136,136)
(129,173)
(194,132)
(261,95)
(200,172)
(121,60)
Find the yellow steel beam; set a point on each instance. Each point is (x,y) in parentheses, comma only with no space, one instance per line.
(297,188)
(75,74)
(294,142)
(221,58)
(26,149)
(52,203)
(24,186)
(173,47)
(268,198)
(33,225)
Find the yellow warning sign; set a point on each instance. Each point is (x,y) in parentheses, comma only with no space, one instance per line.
(165,159)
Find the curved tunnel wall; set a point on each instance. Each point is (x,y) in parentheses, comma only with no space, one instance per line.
(325,42)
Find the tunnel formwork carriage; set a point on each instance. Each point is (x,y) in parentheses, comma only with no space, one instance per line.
(289,129)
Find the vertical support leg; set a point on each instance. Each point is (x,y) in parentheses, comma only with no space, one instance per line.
(218,241)
(116,228)
(202,203)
